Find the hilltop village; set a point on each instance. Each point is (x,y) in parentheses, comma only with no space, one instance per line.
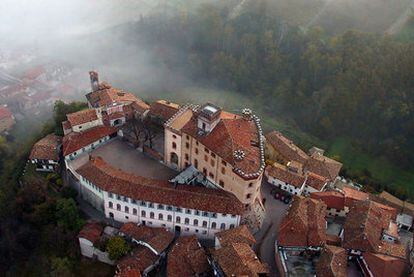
(195,190)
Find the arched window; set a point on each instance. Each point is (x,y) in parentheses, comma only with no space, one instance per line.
(111,205)
(205,224)
(111,215)
(187,221)
(160,216)
(195,222)
(196,163)
(178,219)
(143,214)
(151,214)
(126,209)
(223,226)
(174,145)
(134,211)
(174,158)
(213,225)
(169,217)
(118,207)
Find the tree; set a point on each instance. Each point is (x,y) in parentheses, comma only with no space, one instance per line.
(117,247)
(61,267)
(67,215)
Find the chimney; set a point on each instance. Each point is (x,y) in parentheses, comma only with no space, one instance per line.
(94,80)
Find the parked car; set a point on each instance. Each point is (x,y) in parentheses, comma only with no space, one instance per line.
(281,195)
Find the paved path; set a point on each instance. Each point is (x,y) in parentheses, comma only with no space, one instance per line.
(275,211)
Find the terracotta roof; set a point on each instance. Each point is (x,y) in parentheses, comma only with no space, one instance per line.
(107,95)
(332,199)
(304,224)
(240,234)
(286,147)
(66,125)
(238,259)
(332,262)
(74,141)
(323,166)
(82,117)
(364,226)
(5,113)
(47,148)
(92,231)
(385,266)
(187,258)
(157,238)
(116,181)
(128,272)
(163,109)
(315,181)
(231,134)
(283,174)
(353,195)
(403,205)
(139,260)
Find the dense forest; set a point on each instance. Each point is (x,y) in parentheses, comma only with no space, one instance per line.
(355,85)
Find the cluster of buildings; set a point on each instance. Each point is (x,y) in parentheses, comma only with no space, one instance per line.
(159,250)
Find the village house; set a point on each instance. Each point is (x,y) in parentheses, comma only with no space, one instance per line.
(282,150)
(152,244)
(333,262)
(162,110)
(7,120)
(227,148)
(82,121)
(45,153)
(188,258)
(233,255)
(185,209)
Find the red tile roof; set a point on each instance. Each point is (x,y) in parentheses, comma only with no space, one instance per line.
(128,272)
(332,199)
(323,166)
(47,148)
(107,95)
(92,231)
(352,196)
(283,174)
(66,125)
(364,227)
(240,234)
(82,117)
(163,109)
(5,113)
(187,258)
(304,225)
(238,259)
(332,262)
(116,181)
(157,238)
(385,266)
(286,147)
(74,141)
(315,181)
(140,259)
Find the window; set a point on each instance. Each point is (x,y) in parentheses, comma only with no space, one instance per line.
(118,207)
(134,211)
(133,201)
(196,230)
(125,199)
(160,207)
(186,157)
(187,137)
(206,150)
(211,175)
(205,171)
(151,214)
(213,225)
(187,211)
(178,219)
(214,215)
(205,158)
(169,208)
(196,212)
(187,221)
(222,226)
(250,185)
(224,215)
(143,214)
(205,224)
(195,222)
(196,163)
(151,205)
(212,162)
(231,226)
(233,215)
(187,145)
(163,225)
(186,164)
(223,170)
(204,232)
(126,217)
(127,209)
(223,163)
(187,229)
(174,136)
(196,150)
(143,203)
(205,213)
(196,142)
(248,196)
(160,217)
(179,210)
(169,217)
(118,197)
(111,205)
(174,145)
(213,155)
(110,195)
(221,183)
